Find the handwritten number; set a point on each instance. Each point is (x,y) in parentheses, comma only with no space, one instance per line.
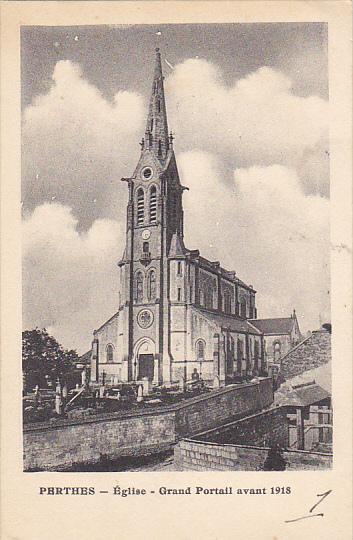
(323,495)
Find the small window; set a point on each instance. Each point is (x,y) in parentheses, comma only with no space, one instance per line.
(158,105)
(159,147)
(180,271)
(146,247)
(110,354)
(179,294)
(151,128)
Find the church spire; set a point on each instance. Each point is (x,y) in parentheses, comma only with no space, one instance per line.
(156,136)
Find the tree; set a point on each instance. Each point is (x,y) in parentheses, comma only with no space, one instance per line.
(43,359)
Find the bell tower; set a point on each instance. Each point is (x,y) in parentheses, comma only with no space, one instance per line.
(154,220)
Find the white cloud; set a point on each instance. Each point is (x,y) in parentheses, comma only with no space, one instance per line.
(77,145)
(257,121)
(70,278)
(266,229)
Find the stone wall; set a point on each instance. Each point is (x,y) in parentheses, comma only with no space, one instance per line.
(49,446)
(230,403)
(61,447)
(192,455)
(261,429)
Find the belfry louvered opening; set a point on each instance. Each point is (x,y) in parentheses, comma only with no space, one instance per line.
(140,206)
(153,205)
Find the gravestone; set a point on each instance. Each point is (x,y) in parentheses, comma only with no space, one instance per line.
(140,394)
(146,385)
(216,383)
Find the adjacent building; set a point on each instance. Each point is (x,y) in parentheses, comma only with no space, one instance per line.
(281,335)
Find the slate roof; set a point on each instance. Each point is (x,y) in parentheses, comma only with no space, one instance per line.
(300,396)
(282,325)
(229,321)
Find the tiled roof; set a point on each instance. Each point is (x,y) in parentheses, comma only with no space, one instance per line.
(229,321)
(282,325)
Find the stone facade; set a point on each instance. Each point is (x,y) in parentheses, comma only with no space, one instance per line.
(178,312)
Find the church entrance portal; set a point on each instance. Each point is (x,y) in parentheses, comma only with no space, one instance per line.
(145,366)
(144,358)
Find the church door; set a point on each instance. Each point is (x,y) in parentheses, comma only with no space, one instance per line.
(146,366)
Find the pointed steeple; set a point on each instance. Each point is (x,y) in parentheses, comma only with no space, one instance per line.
(156,135)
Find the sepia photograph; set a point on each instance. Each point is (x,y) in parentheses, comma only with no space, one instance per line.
(176,248)
(176,269)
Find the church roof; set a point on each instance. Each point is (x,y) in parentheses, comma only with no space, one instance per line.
(229,322)
(281,325)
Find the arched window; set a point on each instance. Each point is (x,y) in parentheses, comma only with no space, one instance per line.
(151,285)
(276,350)
(110,354)
(243,308)
(200,350)
(153,204)
(140,206)
(227,302)
(139,287)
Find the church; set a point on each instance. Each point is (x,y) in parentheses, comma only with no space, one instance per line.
(178,313)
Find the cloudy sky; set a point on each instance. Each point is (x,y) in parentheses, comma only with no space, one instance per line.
(248,104)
